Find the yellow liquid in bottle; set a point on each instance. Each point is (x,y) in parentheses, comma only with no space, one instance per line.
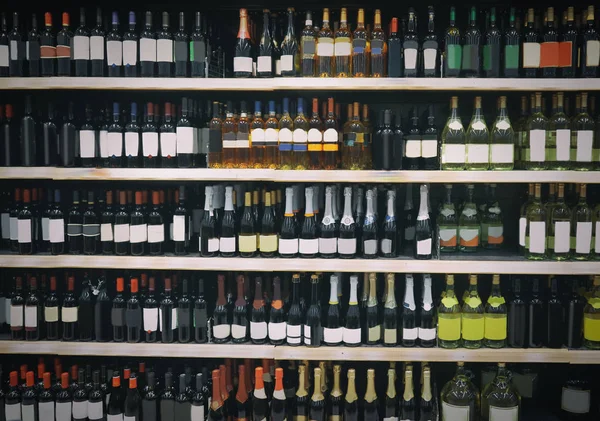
(473,326)
(591,327)
(449,326)
(495,326)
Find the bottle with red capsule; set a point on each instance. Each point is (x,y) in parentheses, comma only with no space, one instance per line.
(64,400)
(29,400)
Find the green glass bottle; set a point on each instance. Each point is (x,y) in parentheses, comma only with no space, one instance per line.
(537,137)
(535,233)
(559,136)
(453,49)
(502,148)
(591,318)
(500,399)
(449,317)
(496,317)
(492,226)
(581,227)
(478,140)
(447,223)
(469,229)
(582,137)
(559,227)
(453,140)
(473,324)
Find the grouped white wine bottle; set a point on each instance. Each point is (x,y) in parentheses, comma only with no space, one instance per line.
(449,317)
(495,317)
(460,397)
(333,331)
(390,314)
(427,322)
(352,329)
(500,398)
(473,323)
(409,313)
(535,228)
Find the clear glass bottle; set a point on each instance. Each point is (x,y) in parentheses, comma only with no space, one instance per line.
(354,132)
(286,136)
(559,227)
(469,229)
(492,226)
(300,138)
(460,397)
(361,47)
(537,138)
(559,136)
(500,398)
(379,51)
(478,140)
(447,223)
(582,137)
(502,149)
(343,47)
(325,49)
(473,323)
(535,230)
(449,317)
(453,140)
(581,227)
(495,317)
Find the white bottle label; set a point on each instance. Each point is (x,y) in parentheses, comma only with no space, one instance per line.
(504,414)
(103,140)
(333,336)
(537,237)
(583,238)
(68,314)
(585,139)
(121,233)
(592,53)
(306,332)
(315,136)
(156,233)
(424,247)
(14,228)
(563,145)
(478,154)
(286,135)
(531,55)
(429,147)
(16,315)
(309,246)
(197,413)
(242,64)
(4,61)
(429,58)
(390,336)
(352,336)
(258,330)
(221,331)
(412,148)
(537,140)
(185,140)
(150,319)
(562,236)
(132,144)
(327,245)
(226,244)
(87,143)
(264,64)
(95,410)
(287,63)
(114,53)
(454,412)
(573,401)
(370,247)
(28,412)
(57,230)
(178,228)
(138,233)
(168,145)
(31,316)
(46,411)
(288,246)
(13,412)
(522,231)
(51,314)
(106,232)
(148,49)
(410,58)
(410,334)
(454,154)
(97,48)
(115,144)
(118,417)
(294,334)
(24,230)
(503,153)
(597,238)
(164,50)
(130,53)
(238,331)
(80,410)
(63,411)
(427,334)
(277,331)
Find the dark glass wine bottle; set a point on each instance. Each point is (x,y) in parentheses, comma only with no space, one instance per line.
(200,315)
(491,47)
(423,228)
(264,63)
(289,48)
(51,312)
(131,406)
(117,313)
(148,48)
(69,312)
(107,220)
(150,138)
(391,399)
(239,327)
(352,328)
(182,401)
(85,311)
(260,404)
(199,400)
(130,48)
(181,49)
(370,403)
(33,312)
(155,227)
(288,237)
(373,322)
(411,46)
(17,310)
(133,314)
(185,136)
(258,318)
(167,398)
(247,238)
(277,324)
(121,226)
(351,398)
(471,57)
(517,317)
(242,61)
(409,314)
(138,229)
(555,336)
(431,60)
(268,230)
(313,330)
(390,313)
(512,48)
(536,317)
(309,242)
(181,225)
(574,318)
(63,47)
(150,313)
(395,60)
(295,316)
(91,227)
(569,53)
(216,412)
(408,404)
(114,49)
(389,237)
(132,139)
(164,48)
(370,243)
(317,400)
(221,325)
(33,48)
(80,398)
(184,313)
(102,313)
(333,330)
(531,47)
(227,239)
(74,226)
(347,240)
(453,49)
(168,315)
(47,48)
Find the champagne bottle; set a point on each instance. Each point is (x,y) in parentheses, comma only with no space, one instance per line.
(221,327)
(391,400)
(301,404)
(426,403)
(423,228)
(409,405)
(335,403)
(370,404)
(309,242)
(239,327)
(333,331)
(317,400)
(258,321)
(268,232)
(295,315)
(390,314)
(328,238)
(409,313)
(313,331)
(216,412)
(373,323)
(260,405)
(278,407)
(369,229)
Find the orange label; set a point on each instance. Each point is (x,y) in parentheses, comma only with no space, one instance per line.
(47,51)
(474,242)
(330,147)
(495,240)
(549,54)
(565,54)
(448,243)
(315,147)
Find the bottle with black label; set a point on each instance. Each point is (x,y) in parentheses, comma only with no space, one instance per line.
(181,49)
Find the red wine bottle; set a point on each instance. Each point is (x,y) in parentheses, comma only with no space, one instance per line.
(138,229)
(32,312)
(33,49)
(168,315)
(133,314)
(200,315)
(114,409)
(168,138)
(63,47)
(164,48)
(130,49)
(81,47)
(69,312)
(64,400)
(102,313)
(85,311)
(75,226)
(91,227)
(131,406)
(25,225)
(150,313)
(117,313)
(51,310)
(47,48)
(184,313)
(121,226)
(181,49)
(46,397)
(80,398)
(182,401)
(107,225)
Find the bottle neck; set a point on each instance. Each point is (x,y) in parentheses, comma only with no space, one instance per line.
(351,395)
(408,386)
(208,200)
(228,199)
(372,291)
(314,292)
(289,202)
(348,205)
(427,295)
(370,395)
(391,206)
(390,299)
(409,294)
(309,204)
(333,297)
(391,389)
(328,205)
(426,393)
(353,291)
(423,208)
(296,292)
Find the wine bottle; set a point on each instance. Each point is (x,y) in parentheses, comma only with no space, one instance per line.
(130,48)
(181,225)
(343,46)
(239,326)
(471,57)
(391,401)
(590,53)
(182,401)
(288,238)
(309,242)
(148,48)
(328,241)
(47,50)
(68,312)
(117,315)
(133,314)
(80,398)
(378,48)
(411,46)
(426,403)
(517,317)
(63,47)
(258,321)
(85,312)
(313,330)
(491,47)
(167,397)
(472,320)
(221,327)
(149,410)
(260,405)
(33,48)
(410,330)
(409,405)
(495,315)
(370,404)
(295,315)
(209,242)
(32,310)
(409,218)
(131,406)
(423,228)
(389,239)
(25,225)
(352,328)
(369,230)
(247,238)
(536,317)
(17,311)
(150,313)
(512,45)
(168,138)
(574,318)
(268,232)
(121,226)
(181,49)
(325,49)
(277,324)
(200,315)
(164,48)
(449,317)
(333,331)
(390,313)
(317,400)
(155,227)
(51,312)
(372,314)
(264,63)
(167,315)
(555,335)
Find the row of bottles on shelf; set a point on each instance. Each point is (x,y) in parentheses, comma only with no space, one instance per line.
(508,47)
(292,137)
(235,390)
(556,229)
(321,221)
(269,311)
(107,50)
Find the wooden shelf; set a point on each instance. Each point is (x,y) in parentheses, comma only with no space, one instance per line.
(299,83)
(482,265)
(363,353)
(284,176)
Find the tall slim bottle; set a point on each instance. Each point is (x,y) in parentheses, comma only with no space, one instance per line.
(325,49)
(378,65)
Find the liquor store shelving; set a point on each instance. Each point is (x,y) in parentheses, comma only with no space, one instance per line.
(292,176)
(504,264)
(299,83)
(284,352)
